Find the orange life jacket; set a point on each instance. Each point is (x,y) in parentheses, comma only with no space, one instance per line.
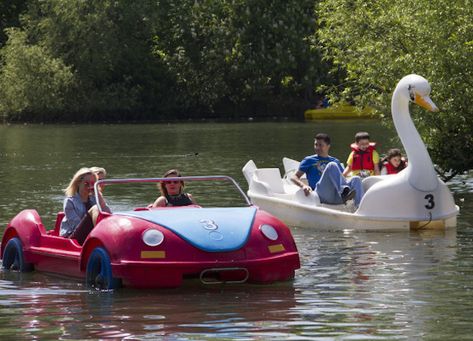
(363,160)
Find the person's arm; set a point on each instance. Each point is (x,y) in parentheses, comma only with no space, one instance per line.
(191,198)
(376,169)
(160,202)
(73,218)
(103,204)
(348,168)
(376,163)
(296,178)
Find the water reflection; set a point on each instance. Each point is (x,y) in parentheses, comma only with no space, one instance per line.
(211,312)
(375,283)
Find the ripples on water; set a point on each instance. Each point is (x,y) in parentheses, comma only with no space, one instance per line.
(352,286)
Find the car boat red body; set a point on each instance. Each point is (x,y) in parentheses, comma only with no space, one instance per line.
(159,247)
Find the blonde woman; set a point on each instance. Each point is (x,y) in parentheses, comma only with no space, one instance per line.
(80,205)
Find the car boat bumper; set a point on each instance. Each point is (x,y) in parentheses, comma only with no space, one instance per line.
(159,273)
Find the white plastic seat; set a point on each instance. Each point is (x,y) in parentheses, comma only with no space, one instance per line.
(271,178)
(248,170)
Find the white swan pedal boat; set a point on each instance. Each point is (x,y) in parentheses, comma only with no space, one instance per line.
(412,199)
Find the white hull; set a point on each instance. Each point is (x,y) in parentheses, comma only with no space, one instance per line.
(324,218)
(288,202)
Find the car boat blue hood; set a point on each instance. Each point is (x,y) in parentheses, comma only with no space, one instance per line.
(209,229)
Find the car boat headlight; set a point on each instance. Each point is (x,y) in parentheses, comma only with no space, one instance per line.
(153,237)
(269,232)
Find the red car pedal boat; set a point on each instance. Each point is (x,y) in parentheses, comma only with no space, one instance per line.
(158,247)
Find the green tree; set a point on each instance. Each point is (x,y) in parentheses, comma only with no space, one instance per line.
(10,16)
(32,80)
(144,59)
(106,45)
(376,43)
(239,51)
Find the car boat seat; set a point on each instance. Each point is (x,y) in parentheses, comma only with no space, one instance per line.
(57,225)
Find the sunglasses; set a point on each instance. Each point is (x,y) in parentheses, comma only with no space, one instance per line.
(171,182)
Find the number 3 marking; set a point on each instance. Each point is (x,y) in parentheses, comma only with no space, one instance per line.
(430,201)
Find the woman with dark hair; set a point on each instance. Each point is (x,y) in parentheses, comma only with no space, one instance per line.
(393,162)
(172,192)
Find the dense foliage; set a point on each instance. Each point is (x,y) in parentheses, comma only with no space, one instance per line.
(165,59)
(377,42)
(155,59)
(240,53)
(10,16)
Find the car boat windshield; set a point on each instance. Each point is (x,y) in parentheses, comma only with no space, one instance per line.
(207,191)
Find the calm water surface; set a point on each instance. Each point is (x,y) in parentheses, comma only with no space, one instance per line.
(351,286)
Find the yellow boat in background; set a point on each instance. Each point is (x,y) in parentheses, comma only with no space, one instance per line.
(339,111)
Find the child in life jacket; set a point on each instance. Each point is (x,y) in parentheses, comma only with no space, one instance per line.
(393,162)
(172,192)
(363,159)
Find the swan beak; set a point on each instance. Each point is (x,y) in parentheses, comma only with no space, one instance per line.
(426,103)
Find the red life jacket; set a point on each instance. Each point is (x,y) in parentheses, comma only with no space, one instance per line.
(363,160)
(391,169)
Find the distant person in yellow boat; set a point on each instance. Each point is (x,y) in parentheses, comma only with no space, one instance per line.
(363,160)
(393,162)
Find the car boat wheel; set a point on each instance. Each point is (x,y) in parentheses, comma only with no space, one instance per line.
(99,271)
(13,258)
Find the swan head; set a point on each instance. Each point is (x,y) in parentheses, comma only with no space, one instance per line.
(417,90)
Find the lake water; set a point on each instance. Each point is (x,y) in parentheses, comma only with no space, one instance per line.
(351,286)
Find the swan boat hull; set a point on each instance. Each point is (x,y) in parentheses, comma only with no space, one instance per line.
(326,218)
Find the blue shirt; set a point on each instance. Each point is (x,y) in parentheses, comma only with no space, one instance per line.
(313,166)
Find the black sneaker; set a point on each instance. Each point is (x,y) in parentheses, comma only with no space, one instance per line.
(348,194)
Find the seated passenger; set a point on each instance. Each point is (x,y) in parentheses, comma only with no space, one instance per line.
(393,162)
(80,206)
(172,192)
(364,159)
(324,173)
(101,173)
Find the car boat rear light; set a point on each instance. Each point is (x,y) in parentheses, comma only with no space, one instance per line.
(153,237)
(269,232)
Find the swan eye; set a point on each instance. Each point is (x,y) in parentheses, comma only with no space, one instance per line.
(412,94)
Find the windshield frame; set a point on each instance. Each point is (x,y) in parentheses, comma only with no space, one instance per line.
(158,180)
